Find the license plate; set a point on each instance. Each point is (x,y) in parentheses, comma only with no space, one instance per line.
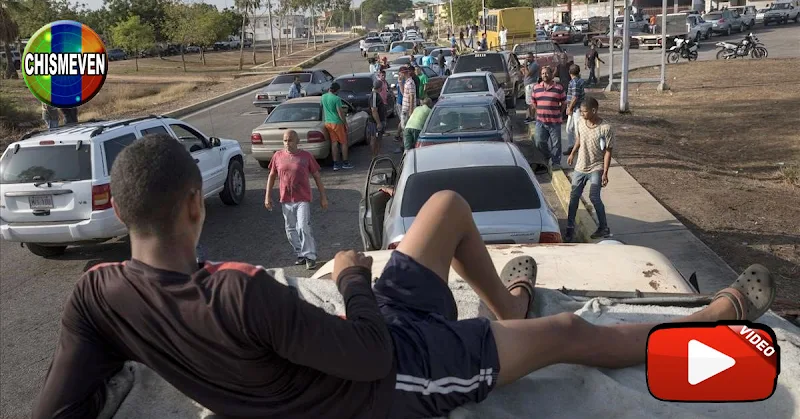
(41,201)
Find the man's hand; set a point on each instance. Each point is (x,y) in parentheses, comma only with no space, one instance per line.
(388,191)
(605,179)
(571,158)
(349,258)
(268,204)
(379,126)
(323,202)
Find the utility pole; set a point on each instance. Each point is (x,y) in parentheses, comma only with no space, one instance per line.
(611,27)
(662,86)
(271,29)
(452,27)
(623,87)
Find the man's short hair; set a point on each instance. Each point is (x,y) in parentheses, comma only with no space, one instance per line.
(427,102)
(334,87)
(150,180)
(590,103)
(574,70)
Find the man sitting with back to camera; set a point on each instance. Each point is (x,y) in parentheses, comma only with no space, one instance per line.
(232,338)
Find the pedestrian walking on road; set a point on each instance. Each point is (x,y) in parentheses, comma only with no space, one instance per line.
(550,103)
(442,61)
(593,145)
(531,71)
(377,118)
(461,39)
(591,63)
(336,125)
(503,37)
(292,167)
(415,123)
(471,37)
(575,95)
(398,107)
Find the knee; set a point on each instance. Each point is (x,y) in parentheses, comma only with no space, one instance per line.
(450,201)
(571,324)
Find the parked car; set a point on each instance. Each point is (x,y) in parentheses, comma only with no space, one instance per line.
(747,14)
(724,21)
(312,82)
(507,202)
(433,89)
(467,118)
(565,34)
(116,54)
(448,59)
(373,49)
(368,42)
(699,27)
(480,83)
(192,49)
(386,37)
(15,56)
(760,15)
(356,88)
(545,53)
(503,64)
(541,35)
(303,115)
(56,183)
(406,60)
(581,25)
(783,12)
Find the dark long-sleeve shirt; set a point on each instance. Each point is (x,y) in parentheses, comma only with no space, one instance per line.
(229,336)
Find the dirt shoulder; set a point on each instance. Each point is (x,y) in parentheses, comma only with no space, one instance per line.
(721,152)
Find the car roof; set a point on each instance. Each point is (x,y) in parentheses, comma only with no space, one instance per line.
(470,74)
(300,71)
(81,131)
(458,155)
(356,75)
(459,101)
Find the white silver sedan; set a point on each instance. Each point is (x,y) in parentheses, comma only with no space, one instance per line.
(507,202)
(480,83)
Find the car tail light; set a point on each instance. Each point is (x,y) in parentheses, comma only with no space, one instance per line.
(393,245)
(721,21)
(47,142)
(255,138)
(315,137)
(549,237)
(263,97)
(101,197)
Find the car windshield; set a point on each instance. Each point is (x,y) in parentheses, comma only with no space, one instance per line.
(780,6)
(47,163)
(289,78)
(480,62)
(295,112)
(466,85)
(373,41)
(392,74)
(451,119)
(486,188)
(406,45)
(356,84)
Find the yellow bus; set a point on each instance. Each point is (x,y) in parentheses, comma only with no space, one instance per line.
(518,20)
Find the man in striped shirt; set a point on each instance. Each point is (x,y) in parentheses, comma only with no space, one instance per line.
(550,103)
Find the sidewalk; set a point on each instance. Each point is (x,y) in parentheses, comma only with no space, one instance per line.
(636,218)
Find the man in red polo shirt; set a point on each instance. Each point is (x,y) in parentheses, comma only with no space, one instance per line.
(550,102)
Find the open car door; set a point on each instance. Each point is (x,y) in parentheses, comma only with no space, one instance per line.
(371,210)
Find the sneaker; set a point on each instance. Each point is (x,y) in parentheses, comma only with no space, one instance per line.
(311,264)
(300,261)
(601,232)
(336,166)
(347,165)
(569,237)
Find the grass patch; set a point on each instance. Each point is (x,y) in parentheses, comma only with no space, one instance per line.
(129,98)
(791,174)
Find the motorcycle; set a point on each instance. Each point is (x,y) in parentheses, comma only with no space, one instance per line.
(750,45)
(683,48)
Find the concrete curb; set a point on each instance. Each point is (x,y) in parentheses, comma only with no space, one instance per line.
(186,110)
(584,222)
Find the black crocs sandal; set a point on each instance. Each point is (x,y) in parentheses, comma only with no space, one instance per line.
(751,294)
(519,272)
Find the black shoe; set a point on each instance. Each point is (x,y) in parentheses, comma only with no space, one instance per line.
(569,237)
(311,264)
(601,232)
(300,261)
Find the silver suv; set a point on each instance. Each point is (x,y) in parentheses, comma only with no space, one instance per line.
(56,184)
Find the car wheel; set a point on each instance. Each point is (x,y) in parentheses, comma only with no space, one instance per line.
(45,251)
(709,34)
(697,37)
(233,193)
(264,164)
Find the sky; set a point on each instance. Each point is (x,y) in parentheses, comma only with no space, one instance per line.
(221,4)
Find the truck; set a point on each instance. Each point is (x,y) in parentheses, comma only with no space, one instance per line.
(679,25)
(605,283)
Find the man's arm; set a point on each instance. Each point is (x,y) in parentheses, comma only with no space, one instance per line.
(342,113)
(358,348)
(75,383)
(323,196)
(606,165)
(273,174)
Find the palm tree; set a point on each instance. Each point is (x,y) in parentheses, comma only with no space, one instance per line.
(9,32)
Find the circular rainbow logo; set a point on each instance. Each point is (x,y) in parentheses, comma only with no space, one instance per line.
(65,64)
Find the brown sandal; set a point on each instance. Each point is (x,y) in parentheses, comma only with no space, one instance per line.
(752,294)
(519,272)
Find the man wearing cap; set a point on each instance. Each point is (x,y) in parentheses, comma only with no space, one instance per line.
(336,125)
(377,118)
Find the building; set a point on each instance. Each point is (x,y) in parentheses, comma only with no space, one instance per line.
(294,26)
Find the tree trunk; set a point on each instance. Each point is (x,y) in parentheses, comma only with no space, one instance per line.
(203,55)
(241,43)
(280,36)
(271,37)
(11,71)
(136,60)
(314,28)
(183,59)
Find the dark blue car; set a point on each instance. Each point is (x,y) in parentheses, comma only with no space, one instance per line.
(467,118)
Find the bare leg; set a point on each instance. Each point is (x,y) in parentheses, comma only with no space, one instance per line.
(345,151)
(444,233)
(527,345)
(335,151)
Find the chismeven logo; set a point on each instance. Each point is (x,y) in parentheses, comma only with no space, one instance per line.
(65,64)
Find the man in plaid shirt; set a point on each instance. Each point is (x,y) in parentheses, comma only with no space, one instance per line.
(575,95)
(409,96)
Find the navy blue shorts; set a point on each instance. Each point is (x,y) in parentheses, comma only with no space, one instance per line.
(442,363)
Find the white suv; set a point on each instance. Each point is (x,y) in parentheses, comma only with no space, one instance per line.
(55,185)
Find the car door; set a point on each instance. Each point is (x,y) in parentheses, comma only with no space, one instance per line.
(498,91)
(515,76)
(208,159)
(356,123)
(372,208)
(505,121)
(435,83)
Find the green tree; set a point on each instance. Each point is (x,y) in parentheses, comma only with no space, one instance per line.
(154,12)
(133,36)
(465,11)
(388,18)
(231,21)
(9,33)
(209,27)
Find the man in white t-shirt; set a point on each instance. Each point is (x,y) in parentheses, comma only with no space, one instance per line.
(503,37)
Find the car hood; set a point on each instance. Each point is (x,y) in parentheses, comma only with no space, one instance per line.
(228,143)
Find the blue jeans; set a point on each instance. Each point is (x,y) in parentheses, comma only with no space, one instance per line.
(572,126)
(548,141)
(592,77)
(297,216)
(579,180)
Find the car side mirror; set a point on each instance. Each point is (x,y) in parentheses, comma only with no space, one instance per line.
(215,142)
(380,179)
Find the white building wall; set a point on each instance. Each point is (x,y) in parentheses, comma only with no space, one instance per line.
(294,26)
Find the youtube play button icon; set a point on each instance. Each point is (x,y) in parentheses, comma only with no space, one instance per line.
(712,362)
(706,362)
